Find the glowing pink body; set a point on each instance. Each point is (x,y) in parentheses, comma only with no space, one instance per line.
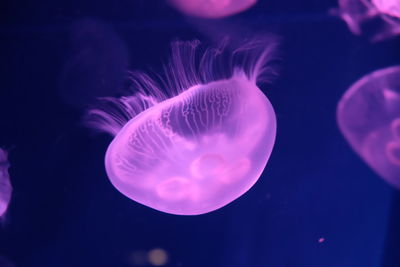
(199,149)
(212,8)
(389,7)
(5,185)
(195,152)
(369,118)
(379,19)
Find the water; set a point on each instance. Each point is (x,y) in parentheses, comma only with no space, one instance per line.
(65,212)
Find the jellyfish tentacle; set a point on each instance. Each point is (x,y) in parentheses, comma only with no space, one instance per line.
(186,69)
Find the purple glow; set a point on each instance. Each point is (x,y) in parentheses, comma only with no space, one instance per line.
(5,185)
(212,8)
(200,138)
(389,7)
(369,117)
(379,19)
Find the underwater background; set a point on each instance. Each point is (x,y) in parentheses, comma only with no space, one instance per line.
(316,204)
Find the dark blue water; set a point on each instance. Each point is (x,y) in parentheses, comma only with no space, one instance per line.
(64,211)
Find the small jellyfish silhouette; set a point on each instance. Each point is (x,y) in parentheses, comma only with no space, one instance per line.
(198,138)
(378,19)
(5,185)
(212,8)
(369,117)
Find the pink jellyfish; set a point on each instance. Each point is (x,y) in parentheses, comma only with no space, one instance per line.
(380,19)
(389,7)
(369,117)
(212,8)
(197,138)
(5,185)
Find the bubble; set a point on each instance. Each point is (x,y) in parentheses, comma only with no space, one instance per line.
(198,138)
(212,8)
(377,19)
(369,118)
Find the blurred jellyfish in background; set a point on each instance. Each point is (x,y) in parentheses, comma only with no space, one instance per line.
(212,8)
(389,7)
(369,117)
(378,19)
(194,139)
(5,185)
(96,65)
(4,262)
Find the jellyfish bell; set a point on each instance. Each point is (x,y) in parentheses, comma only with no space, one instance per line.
(212,8)
(5,185)
(198,138)
(377,19)
(369,117)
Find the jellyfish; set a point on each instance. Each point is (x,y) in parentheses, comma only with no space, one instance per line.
(198,136)
(378,19)
(212,8)
(369,117)
(389,7)
(5,185)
